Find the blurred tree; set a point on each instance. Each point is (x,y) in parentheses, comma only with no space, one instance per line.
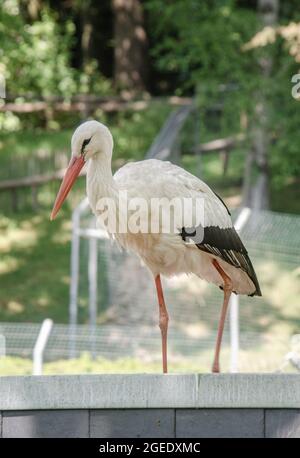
(282,43)
(32,8)
(130,46)
(50,47)
(84,8)
(93,21)
(268,11)
(203,42)
(35,57)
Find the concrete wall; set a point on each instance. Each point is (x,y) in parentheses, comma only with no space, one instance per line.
(104,406)
(159,423)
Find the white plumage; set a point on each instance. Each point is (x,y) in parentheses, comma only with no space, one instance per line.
(167,254)
(219,258)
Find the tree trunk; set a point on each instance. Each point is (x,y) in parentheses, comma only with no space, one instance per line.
(86,34)
(130,40)
(33,9)
(268,12)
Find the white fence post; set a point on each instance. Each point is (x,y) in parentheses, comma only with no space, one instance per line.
(93,293)
(75,251)
(40,345)
(234,303)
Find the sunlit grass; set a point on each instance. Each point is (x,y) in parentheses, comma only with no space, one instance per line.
(264,358)
(34,267)
(86,365)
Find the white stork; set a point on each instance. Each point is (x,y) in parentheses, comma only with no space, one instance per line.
(219,256)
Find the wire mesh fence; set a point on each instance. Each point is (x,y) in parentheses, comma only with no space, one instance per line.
(126,297)
(126,309)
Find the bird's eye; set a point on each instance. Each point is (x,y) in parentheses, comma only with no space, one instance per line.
(85,143)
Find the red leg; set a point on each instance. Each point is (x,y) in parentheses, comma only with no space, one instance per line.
(163,321)
(227,287)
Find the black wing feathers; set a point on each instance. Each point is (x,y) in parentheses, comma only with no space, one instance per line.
(227,245)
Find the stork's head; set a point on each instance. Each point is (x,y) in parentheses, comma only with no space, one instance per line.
(89,140)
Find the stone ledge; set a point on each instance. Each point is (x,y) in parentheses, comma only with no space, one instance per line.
(134,391)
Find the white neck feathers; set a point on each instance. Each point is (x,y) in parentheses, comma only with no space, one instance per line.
(100,181)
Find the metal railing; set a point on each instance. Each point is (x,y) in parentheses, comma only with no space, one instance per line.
(240,222)
(40,345)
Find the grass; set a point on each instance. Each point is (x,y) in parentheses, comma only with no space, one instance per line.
(284,199)
(266,358)
(34,267)
(25,151)
(86,365)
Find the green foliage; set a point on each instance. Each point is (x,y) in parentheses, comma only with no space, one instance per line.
(203,43)
(283,119)
(36,57)
(201,40)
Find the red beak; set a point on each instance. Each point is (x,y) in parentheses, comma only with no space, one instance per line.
(72,172)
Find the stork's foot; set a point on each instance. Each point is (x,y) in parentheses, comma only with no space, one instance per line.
(215,368)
